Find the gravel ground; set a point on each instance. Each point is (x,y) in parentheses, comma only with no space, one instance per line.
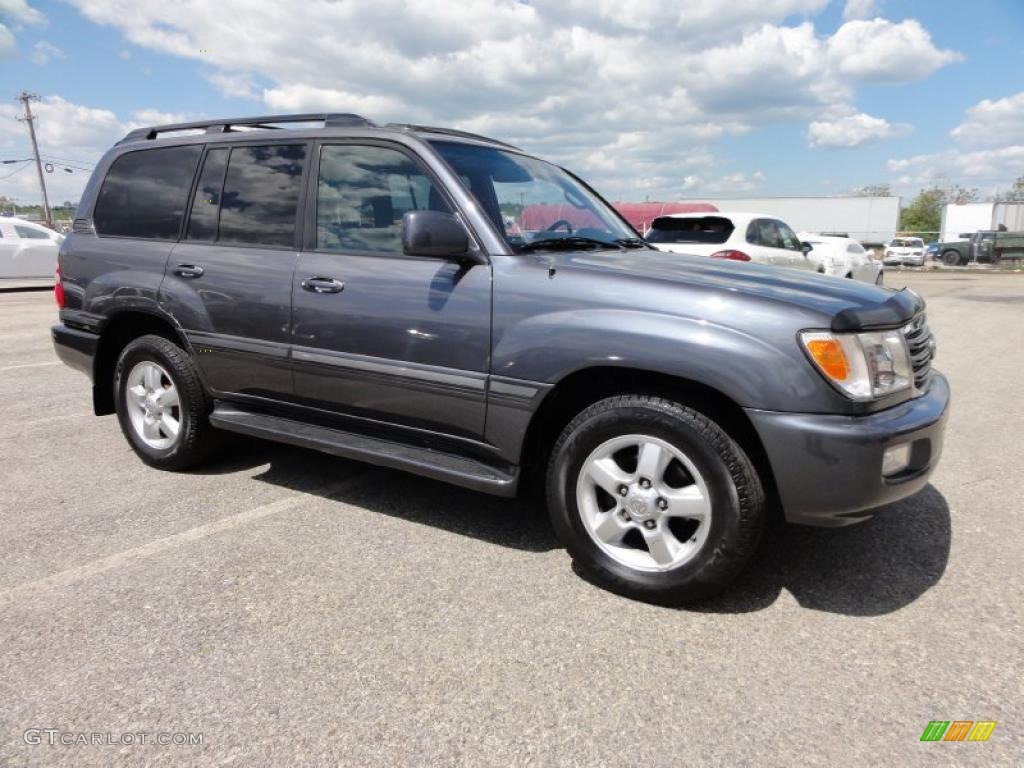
(298,609)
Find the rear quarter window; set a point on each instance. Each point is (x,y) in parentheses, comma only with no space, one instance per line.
(145,193)
(713,230)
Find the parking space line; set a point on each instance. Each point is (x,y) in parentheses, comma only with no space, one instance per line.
(28,365)
(130,556)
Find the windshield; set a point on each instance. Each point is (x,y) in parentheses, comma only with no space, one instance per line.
(534,204)
(907,242)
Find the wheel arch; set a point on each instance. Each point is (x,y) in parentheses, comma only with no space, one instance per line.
(118,331)
(586,386)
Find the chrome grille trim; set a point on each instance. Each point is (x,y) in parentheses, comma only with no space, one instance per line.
(921,346)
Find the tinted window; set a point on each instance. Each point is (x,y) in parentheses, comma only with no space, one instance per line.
(705,229)
(145,193)
(261,195)
(854,248)
(362,194)
(30,234)
(764,232)
(787,237)
(202,223)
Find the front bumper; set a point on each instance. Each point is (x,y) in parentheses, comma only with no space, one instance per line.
(828,468)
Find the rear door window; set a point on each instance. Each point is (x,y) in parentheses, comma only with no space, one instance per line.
(764,232)
(261,195)
(145,193)
(202,222)
(713,230)
(27,233)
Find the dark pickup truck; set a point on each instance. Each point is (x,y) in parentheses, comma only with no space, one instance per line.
(376,293)
(983,247)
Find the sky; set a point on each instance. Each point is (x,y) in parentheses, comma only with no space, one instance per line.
(646,99)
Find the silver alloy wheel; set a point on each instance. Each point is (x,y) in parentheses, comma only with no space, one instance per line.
(154,408)
(644,503)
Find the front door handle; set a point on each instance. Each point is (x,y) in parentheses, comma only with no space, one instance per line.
(188,270)
(323,285)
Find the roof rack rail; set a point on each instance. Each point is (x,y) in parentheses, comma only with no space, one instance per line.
(330,120)
(448,132)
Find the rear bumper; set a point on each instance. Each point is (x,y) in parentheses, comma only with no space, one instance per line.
(76,348)
(828,469)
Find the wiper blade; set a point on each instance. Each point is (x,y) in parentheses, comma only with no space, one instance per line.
(573,241)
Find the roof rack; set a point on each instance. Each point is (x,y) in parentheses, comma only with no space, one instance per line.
(330,120)
(448,132)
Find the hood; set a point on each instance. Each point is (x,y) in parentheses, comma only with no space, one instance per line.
(851,304)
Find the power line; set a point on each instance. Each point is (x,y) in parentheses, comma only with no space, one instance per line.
(17,171)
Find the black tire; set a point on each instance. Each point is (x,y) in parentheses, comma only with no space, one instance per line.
(196,438)
(951,258)
(736,496)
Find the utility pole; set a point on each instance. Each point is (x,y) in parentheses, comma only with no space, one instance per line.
(25,97)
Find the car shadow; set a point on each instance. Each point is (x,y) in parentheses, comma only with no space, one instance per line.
(868,569)
(505,522)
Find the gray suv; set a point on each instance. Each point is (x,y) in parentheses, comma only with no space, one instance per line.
(444,303)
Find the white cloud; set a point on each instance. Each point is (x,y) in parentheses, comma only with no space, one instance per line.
(74,133)
(8,46)
(43,52)
(234,85)
(993,123)
(852,131)
(20,11)
(632,93)
(728,184)
(996,126)
(987,166)
(859,9)
(883,52)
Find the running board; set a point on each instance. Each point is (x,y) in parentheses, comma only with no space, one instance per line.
(450,468)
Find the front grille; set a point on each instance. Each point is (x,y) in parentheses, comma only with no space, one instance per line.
(922,350)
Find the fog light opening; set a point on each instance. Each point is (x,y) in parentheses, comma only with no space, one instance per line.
(895,459)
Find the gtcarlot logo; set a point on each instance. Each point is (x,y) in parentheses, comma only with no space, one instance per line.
(958,730)
(55,736)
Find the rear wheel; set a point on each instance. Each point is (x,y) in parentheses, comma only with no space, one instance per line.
(654,500)
(161,405)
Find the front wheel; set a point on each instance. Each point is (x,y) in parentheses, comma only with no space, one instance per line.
(951,258)
(654,500)
(161,405)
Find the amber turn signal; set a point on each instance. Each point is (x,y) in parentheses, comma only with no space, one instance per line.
(830,357)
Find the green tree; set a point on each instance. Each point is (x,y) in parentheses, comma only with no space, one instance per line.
(873,190)
(924,213)
(1015,193)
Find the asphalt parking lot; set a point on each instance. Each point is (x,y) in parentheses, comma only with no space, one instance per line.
(298,609)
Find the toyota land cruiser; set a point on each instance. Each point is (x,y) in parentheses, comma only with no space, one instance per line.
(446,304)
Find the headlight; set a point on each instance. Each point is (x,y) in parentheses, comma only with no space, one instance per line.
(863,366)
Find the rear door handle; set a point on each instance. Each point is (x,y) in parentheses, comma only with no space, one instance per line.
(323,285)
(188,270)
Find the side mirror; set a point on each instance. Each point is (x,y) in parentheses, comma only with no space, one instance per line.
(435,234)
(806,247)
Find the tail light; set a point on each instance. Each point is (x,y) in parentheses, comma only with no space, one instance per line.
(58,289)
(731,255)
